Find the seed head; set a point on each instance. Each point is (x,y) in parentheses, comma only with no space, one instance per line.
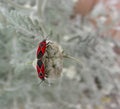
(53,60)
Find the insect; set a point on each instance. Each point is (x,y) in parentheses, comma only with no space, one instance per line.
(40,69)
(41,49)
(40,65)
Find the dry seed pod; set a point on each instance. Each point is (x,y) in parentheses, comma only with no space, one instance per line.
(53,60)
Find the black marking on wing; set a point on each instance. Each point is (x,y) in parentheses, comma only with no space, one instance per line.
(40,74)
(39,63)
(40,54)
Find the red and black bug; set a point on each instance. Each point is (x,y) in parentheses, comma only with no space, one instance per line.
(41,49)
(40,65)
(40,69)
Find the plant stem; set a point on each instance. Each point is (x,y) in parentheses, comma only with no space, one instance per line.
(73,58)
(41,8)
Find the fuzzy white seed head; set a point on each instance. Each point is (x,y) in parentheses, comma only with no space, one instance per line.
(53,60)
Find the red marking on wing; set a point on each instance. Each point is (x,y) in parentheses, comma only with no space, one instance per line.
(41,49)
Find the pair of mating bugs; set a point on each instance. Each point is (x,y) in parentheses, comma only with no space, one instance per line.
(40,65)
